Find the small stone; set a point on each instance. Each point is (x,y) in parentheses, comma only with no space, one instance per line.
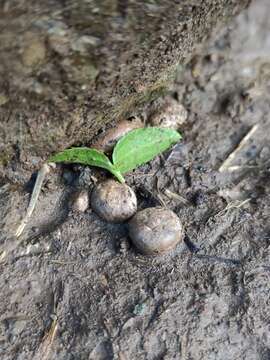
(52,26)
(37,87)
(59,44)
(89,72)
(34,52)
(83,43)
(171,115)
(123,245)
(3,99)
(103,351)
(140,309)
(80,201)
(80,69)
(265,153)
(155,230)
(113,201)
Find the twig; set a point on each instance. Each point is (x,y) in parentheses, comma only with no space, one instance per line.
(237,205)
(233,205)
(45,169)
(140,175)
(225,165)
(238,167)
(3,255)
(45,347)
(160,199)
(174,196)
(59,262)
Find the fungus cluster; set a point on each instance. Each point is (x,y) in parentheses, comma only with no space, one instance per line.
(152,231)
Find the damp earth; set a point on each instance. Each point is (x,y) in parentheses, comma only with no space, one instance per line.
(74,287)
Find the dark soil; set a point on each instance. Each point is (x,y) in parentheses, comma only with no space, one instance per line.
(70,68)
(73,287)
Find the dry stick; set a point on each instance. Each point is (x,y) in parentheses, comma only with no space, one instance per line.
(238,167)
(45,347)
(236,205)
(45,169)
(3,255)
(174,196)
(232,155)
(259,167)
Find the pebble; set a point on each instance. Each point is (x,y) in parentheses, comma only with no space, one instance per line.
(83,43)
(103,351)
(3,99)
(123,245)
(171,115)
(52,26)
(140,309)
(265,153)
(34,52)
(59,44)
(80,69)
(80,201)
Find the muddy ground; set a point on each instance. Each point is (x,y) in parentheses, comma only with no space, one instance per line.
(74,288)
(69,68)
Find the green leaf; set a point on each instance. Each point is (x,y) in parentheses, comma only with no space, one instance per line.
(86,156)
(142,145)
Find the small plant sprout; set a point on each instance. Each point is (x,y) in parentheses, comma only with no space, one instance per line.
(135,148)
(87,156)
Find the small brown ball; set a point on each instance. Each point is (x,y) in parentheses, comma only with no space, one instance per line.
(107,141)
(113,201)
(155,230)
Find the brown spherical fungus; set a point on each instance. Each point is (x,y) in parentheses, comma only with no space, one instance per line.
(107,141)
(155,230)
(113,201)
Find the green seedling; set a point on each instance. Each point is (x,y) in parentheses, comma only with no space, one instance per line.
(134,149)
(86,156)
(137,147)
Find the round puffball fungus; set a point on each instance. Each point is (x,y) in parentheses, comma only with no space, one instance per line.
(155,230)
(113,201)
(107,141)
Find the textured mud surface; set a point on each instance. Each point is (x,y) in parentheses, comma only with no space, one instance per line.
(74,288)
(68,68)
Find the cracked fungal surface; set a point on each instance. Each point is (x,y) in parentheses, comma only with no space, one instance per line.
(155,230)
(113,202)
